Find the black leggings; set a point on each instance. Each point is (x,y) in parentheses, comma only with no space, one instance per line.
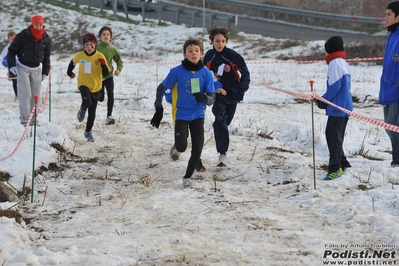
(108,84)
(89,102)
(196,128)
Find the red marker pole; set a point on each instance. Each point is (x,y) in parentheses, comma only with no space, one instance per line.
(36,97)
(311,83)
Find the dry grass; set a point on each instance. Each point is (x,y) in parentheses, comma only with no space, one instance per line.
(11,214)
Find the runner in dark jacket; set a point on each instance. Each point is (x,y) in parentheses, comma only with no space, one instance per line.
(32,46)
(231,70)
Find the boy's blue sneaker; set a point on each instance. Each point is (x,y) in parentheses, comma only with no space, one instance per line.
(81,115)
(89,136)
(333,175)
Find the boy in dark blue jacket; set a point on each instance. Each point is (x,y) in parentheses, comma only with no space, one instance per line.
(232,72)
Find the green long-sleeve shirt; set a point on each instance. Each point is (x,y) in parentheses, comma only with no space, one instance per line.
(111,54)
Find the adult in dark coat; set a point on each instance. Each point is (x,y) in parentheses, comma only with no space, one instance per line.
(32,46)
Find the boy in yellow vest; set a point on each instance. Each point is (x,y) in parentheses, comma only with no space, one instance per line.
(92,67)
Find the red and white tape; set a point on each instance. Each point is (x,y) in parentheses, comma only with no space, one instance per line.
(309,97)
(22,137)
(359,116)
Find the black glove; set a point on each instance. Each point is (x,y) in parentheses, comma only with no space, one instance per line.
(321,105)
(156,119)
(200,97)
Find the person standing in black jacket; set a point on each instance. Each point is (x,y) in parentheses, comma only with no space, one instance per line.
(32,46)
(231,70)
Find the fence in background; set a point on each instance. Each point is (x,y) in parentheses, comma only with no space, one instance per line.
(271,9)
(197,11)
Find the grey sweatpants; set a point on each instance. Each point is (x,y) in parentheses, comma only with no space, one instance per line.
(29,84)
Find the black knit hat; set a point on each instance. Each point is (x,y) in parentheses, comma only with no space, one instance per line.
(334,44)
(89,37)
(394,6)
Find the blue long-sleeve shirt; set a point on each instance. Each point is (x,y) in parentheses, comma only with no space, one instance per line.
(178,92)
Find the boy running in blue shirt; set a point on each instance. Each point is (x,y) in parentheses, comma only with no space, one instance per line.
(189,87)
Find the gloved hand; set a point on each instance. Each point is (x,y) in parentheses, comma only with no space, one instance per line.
(156,119)
(13,70)
(102,61)
(200,97)
(71,75)
(44,77)
(321,105)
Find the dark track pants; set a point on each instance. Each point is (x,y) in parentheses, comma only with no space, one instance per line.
(224,114)
(391,116)
(196,128)
(108,84)
(89,103)
(335,133)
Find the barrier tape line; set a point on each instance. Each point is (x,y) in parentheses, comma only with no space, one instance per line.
(23,135)
(347,60)
(30,119)
(303,96)
(309,97)
(248,62)
(165,63)
(359,116)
